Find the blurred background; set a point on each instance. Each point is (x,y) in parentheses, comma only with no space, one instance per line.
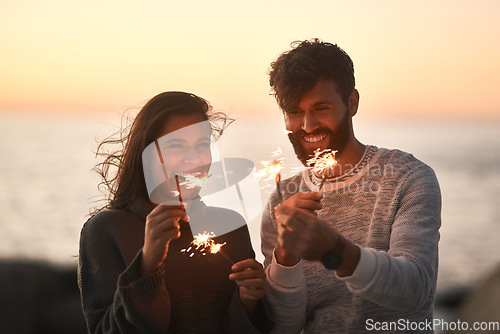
(427,72)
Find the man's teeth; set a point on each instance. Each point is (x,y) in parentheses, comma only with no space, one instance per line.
(314,139)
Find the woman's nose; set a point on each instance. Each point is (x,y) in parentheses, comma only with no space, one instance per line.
(191,157)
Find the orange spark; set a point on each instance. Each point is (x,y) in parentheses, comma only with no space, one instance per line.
(202,242)
(192,181)
(272,169)
(322,162)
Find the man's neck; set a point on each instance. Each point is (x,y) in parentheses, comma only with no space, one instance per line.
(350,156)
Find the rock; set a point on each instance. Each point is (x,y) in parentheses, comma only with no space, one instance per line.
(37,297)
(483,304)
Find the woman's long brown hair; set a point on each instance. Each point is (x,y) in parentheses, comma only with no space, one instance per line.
(128,183)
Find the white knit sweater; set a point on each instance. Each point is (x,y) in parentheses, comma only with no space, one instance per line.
(390,205)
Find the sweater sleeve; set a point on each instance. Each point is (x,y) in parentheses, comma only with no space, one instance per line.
(114,299)
(287,303)
(405,275)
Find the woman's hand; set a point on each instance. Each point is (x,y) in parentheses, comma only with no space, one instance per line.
(250,277)
(162,225)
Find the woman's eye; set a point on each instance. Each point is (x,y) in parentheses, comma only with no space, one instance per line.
(204,145)
(175,146)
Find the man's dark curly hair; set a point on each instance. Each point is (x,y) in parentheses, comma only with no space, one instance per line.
(297,71)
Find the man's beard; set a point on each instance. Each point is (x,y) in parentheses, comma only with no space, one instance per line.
(338,139)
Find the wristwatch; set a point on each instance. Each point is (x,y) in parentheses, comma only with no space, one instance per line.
(333,260)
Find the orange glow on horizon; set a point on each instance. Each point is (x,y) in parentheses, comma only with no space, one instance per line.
(416,59)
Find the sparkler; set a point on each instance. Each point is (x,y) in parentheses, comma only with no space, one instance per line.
(178,188)
(193,181)
(277,168)
(273,170)
(203,243)
(321,163)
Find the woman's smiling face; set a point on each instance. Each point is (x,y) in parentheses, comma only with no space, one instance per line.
(185,145)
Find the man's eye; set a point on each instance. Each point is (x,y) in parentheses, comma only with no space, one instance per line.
(293,112)
(175,146)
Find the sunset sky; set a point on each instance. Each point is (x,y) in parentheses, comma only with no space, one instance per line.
(412,58)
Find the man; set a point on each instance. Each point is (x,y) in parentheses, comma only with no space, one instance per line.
(362,253)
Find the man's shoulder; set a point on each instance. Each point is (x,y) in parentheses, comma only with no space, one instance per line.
(399,158)
(403,165)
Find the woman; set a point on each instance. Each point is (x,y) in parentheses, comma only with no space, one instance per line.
(134,272)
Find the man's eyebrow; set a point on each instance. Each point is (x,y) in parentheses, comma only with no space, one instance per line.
(318,103)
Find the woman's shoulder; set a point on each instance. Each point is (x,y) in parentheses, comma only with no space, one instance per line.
(108,221)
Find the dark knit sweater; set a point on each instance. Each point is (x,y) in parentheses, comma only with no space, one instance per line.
(187,295)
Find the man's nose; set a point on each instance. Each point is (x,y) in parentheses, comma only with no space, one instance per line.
(310,122)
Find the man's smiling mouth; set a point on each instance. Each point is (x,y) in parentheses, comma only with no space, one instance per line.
(314,138)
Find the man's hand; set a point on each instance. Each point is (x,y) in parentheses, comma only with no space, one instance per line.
(308,201)
(303,234)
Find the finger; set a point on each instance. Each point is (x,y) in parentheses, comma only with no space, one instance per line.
(290,242)
(257,283)
(167,214)
(307,195)
(248,263)
(248,275)
(161,208)
(286,233)
(164,230)
(170,225)
(302,215)
(171,234)
(251,294)
(307,204)
(293,223)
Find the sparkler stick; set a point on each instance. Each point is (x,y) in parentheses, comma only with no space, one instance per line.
(278,181)
(323,180)
(178,188)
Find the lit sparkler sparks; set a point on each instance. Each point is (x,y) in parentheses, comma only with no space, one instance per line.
(272,170)
(321,163)
(203,243)
(193,181)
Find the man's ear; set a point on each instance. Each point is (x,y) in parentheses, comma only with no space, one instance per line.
(353,102)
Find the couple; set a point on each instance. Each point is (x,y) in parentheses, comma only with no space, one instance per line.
(343,259)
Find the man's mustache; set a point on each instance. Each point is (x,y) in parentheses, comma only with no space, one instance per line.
(318,131)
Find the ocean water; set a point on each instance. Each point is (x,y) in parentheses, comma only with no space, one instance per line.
(47,187)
